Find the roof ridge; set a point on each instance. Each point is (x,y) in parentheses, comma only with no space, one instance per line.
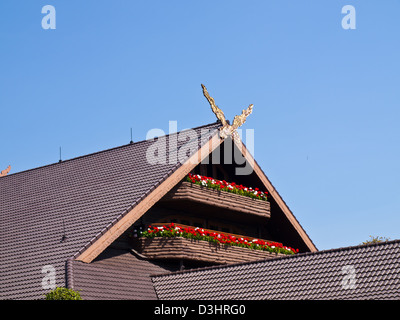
(292,256)
(101,151)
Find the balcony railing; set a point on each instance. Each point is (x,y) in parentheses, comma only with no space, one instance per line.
(193,249)
(216,231)
(189,192)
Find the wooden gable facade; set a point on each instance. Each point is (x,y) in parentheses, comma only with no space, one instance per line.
(189,205)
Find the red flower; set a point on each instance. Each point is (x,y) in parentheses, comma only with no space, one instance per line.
(227,186)
(221,238)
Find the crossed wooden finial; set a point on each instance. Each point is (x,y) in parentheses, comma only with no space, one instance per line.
(5,171)
(227,129)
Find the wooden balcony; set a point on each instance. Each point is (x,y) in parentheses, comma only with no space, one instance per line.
(197,250)
(179,248)
(186,192)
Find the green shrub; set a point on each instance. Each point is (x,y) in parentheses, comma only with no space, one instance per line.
(376,240)
(63,294)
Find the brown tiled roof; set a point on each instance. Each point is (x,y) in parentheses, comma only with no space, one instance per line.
(318,275)
(115,275)
(84,196)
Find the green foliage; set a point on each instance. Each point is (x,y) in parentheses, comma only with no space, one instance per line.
(63,294)
(375,240)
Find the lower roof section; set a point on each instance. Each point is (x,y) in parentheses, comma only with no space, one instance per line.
(360,272)
(115,275)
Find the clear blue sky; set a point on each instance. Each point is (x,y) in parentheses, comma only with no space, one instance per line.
(326,100)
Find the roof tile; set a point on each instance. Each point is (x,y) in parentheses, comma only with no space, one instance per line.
(304,276)
(84,196)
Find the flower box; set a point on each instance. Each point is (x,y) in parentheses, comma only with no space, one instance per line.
(179,248)
(223,185)
(187,191)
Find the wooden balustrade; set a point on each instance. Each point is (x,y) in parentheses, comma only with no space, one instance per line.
(187,191)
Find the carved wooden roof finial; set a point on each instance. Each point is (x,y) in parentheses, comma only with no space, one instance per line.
(227,129)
